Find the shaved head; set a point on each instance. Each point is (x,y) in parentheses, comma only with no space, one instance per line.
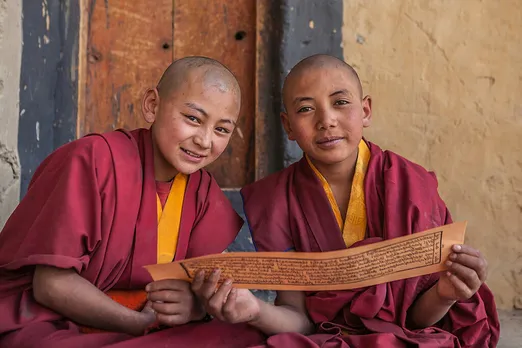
(320,61)
(206,70)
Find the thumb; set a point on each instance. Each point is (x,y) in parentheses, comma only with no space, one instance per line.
(148,308)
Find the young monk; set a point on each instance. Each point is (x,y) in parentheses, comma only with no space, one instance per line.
(346,192)
(100,208)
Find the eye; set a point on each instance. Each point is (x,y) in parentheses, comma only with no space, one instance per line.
(192,118)
(341,102)
(223,130)
(304,109)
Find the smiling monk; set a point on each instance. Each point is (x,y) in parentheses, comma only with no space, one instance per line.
(100,208)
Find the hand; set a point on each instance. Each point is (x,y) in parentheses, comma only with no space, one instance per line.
(174,302)
(226,303)
(467,271)
(149,312)
(141,322)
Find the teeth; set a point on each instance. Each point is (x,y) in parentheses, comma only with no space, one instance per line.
(191,153)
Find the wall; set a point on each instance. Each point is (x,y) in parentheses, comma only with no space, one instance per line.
(446,82)
(10,51)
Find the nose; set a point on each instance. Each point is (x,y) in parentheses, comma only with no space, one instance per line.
(203,138)
(326,119)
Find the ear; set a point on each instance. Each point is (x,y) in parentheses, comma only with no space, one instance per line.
(367,111)
(150,105)
(286,125)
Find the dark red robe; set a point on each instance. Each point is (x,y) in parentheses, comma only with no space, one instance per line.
(290,211)
(91,206)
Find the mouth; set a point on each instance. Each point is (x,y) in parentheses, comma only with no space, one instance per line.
(192,154)
(329,140)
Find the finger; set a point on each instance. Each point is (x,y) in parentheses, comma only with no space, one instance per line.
(465,274)
(460,287)
(198,281)
(148,308)
(171,320)
(466,249)
(167,308)
(215,304)
(165,296)
(221,294)
(209,286)
(478,264)
(229,306)
(167,284)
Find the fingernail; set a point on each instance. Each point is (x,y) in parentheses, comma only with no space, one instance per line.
(216,271)
(228,281)
(448,274)
(200,274)
(147,288)
(457,247)
(453,256)
(449,263)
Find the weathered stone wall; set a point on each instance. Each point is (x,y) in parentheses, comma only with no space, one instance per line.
(10,52)
(446,81)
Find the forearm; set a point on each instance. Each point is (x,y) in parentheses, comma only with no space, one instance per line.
(428,309)
(278,319)
(67,293)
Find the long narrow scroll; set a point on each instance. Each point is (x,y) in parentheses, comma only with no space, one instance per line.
(389,260)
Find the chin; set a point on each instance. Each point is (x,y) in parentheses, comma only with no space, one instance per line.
(332,157)
(331,160)
(186,168)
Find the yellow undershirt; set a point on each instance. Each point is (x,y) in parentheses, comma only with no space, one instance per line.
(169,219)
(354,227)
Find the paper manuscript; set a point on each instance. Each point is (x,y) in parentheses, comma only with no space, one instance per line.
(389,260)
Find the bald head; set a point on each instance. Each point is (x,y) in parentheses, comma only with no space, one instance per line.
(320,61)
(208,71)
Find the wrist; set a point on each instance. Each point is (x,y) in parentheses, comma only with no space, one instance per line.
(141,323)
(257,317)
(443,300)
(198,313)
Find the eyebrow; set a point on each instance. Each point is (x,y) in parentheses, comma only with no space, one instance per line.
(197,108)
(341,91)
(301,99)
(204,113)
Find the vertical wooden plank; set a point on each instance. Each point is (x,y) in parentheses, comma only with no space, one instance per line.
(129,44)
(225,30)
(269,150)
(48,80)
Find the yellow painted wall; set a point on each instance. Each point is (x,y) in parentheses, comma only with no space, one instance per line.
(446,82)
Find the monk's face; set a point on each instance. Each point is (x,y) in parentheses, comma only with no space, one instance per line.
(325,114)
(194,125)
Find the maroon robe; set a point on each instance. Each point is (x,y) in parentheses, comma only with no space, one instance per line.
(91,206)
(290,211)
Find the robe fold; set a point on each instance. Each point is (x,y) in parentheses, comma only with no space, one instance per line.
(289,210)
(92,206)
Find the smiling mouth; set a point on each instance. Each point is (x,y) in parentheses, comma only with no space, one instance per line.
(328,140)
(193,154)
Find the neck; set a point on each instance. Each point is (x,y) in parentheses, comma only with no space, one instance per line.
(163,171)
(338,174)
